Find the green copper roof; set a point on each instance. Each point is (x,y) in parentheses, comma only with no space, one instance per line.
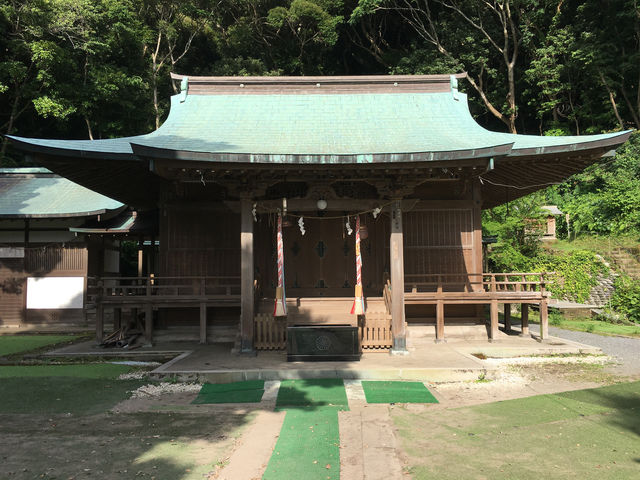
(360,127)
(25,193)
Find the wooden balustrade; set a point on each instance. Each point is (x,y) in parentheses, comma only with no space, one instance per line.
(172,287)
(476,282)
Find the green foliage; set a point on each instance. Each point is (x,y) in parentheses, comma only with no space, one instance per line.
(518,233)
(576,273)
(605,199)
(626,298)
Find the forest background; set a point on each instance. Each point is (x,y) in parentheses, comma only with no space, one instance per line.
(93,69)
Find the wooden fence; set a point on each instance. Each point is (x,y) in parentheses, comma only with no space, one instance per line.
(374,328)
(375,331)
(270,332)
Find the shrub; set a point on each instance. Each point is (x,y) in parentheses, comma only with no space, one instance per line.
(626,298)
(576,273)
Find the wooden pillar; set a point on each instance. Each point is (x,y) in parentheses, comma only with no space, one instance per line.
(544,319)
(478,260)
(525,319)
(203,322)
(117,318)
(246,278)
(140,257)
(493,326)
(440,321)
(507,317)
(99,322)
(148,322)
(398,326)
(148,314)
(99,313)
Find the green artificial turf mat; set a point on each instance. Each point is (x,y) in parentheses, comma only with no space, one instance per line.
(12,344)
(308,446)
(238,392)
(397,392)
(326,392)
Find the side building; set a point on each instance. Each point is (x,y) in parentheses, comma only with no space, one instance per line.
(44,266)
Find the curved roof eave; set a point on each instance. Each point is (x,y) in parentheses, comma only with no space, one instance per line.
(91,213)
(338,159)
(108,149)
(568,144)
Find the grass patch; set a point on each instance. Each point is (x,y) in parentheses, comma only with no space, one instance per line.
(13,344)
(237,392)
(85,370)
(326,392)
(397,392)
(588,434)
(588,325)
(87,388)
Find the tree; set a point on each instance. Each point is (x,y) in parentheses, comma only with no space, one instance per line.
(482,36)
(305,31)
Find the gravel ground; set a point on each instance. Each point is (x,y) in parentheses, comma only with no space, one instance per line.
(626,350)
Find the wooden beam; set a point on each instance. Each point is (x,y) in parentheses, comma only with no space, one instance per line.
(524,315)
(203,323)
(440,322)
(246,278)
(493,326)
(544,319)
(397,281)
(507,317)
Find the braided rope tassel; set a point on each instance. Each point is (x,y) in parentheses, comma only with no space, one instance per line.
(358,302)
(280,308)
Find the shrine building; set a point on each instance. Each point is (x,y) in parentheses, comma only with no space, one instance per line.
(298,200)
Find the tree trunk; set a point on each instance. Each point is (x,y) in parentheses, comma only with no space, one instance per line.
(613,101)
(12,118)
(86,120)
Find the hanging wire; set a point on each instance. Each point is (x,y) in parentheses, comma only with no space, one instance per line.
(483,180)
(324,217)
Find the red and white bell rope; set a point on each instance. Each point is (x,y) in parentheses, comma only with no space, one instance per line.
(358,302)
(280,308)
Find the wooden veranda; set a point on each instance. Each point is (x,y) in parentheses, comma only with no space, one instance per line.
(148,294)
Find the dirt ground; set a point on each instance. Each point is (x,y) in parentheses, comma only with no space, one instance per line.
(161,446)
(369,447)
(162,436)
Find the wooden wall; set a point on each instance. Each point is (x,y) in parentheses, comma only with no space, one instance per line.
(443,237)
(198,239)
(39,261)
(440,239)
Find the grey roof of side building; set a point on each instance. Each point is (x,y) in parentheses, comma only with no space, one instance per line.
(38,193)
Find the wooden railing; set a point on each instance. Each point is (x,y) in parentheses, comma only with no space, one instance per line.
(114,289)
(477,282)
(386,295)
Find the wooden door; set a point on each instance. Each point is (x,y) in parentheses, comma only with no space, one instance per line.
(319,263)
